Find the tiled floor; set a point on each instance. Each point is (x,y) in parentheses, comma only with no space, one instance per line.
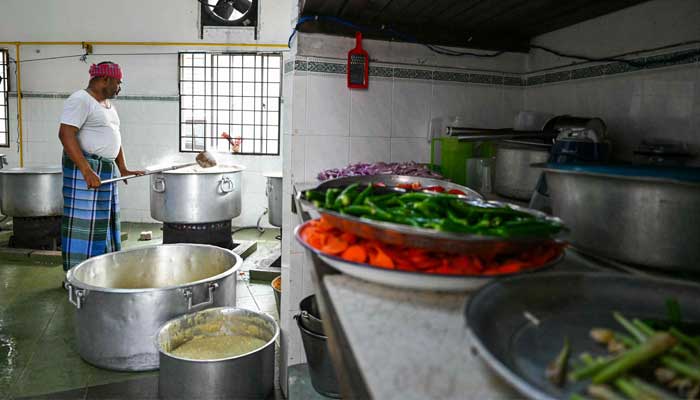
(38,352)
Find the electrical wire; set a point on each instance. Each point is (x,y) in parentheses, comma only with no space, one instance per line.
(387,30)
(456,53)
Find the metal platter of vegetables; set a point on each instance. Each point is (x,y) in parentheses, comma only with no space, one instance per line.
(433,217)
(590,335)
(422,233)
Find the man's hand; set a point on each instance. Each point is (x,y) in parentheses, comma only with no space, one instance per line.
(91,178)
(125,172)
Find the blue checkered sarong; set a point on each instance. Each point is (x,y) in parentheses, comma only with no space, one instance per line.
(90,225)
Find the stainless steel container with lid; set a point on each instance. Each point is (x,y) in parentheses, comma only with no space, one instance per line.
(247,376)
(273,191)
(123,298)
(640,215)
(31,192)
(515,177)
(197,195)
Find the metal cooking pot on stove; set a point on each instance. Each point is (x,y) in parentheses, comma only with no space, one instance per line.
(123,298)
(31,192)
(640,215)
(273,191)
(197,195)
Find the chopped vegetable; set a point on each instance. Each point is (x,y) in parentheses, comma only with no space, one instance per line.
(652,347)
(320,235)
(556,370)
(603,392)
(434,210)
(408,168)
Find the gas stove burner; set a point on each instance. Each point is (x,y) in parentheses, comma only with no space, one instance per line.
(40,233)
(213,233)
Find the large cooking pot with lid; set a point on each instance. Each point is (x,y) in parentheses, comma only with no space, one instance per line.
(31,192)
(123,298)
(197,195)
(640,215)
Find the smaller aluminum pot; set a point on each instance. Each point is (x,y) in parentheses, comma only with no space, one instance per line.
(274,198)
(248,376)
(514,176)
(31,192)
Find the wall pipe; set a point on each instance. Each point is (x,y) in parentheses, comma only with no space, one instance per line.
(84,44)
(19,104)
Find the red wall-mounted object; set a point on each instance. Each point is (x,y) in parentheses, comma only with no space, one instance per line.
(358,65)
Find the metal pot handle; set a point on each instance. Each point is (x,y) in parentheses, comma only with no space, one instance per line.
(79,296)
(188,295)
(226,184)
(159,185)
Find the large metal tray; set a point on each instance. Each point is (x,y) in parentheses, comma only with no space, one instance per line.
(410,279)
(518,324)
(405,235)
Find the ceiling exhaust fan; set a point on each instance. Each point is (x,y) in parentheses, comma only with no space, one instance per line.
(229,12)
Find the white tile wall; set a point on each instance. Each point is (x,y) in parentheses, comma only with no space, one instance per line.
(411,108)
(328,105)
(322,152)
(371,109)
(369,149)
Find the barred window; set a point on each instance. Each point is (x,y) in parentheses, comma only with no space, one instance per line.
(4,88)
(230,103)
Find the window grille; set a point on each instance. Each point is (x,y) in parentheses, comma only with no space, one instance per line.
(4,89)
(230,103)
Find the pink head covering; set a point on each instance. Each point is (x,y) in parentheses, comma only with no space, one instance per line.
(109,69)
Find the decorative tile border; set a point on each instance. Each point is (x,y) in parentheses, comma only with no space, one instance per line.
(38,95)
(671,59)
(567,74)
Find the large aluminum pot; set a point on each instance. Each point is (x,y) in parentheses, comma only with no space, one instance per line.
(31,192)
(248,376)
(514,177)
(274,198)
(123,298)
(197,195)
(644,220)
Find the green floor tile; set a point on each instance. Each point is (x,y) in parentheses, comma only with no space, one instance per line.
(63,321)
(14,358)
(99,376)
(48,378)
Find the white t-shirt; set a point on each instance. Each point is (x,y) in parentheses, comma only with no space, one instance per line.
(98,127)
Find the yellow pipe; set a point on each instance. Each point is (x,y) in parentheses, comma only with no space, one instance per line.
(194,44)
(19,105)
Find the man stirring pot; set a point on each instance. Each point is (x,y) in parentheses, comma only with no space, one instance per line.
(92,153)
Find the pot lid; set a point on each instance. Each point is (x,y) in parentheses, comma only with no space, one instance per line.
(683,174)
(32,170)
(273,174)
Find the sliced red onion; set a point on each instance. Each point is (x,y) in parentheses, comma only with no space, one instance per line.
(410,168)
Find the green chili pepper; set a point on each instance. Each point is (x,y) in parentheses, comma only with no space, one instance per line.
(357,210)
(346,197)
(312,195)
(360,199)
(331,195)
(415,196)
